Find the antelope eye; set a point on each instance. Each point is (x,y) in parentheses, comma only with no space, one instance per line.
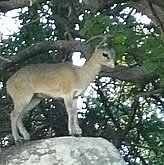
(105,55)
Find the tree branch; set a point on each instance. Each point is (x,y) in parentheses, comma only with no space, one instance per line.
(151,93)
(7,5)
(106,108)
(42,47)
(135,75)
(144,7)
(134,108)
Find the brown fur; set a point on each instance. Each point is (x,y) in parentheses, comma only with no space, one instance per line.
(54,80)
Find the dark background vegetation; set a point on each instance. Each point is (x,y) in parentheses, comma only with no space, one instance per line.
(124,105)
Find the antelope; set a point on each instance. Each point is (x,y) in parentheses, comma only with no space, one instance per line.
(32,83)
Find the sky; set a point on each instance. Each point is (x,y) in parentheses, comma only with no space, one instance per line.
(10,23)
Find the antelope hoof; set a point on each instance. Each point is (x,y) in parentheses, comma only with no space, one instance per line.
(77,132)
(19,141)
(77,135)
(27,137)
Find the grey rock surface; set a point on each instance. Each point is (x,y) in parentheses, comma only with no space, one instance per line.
(63,151)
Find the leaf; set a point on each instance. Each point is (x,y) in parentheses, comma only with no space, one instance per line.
(120,50)
(95,25)
(149,66)
(118,38)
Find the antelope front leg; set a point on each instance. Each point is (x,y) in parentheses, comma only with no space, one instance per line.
(73,124)
(75,118)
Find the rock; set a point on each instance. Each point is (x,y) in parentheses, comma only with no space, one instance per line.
(63,151)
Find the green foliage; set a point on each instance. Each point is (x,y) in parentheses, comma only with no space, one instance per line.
(111,109)
(153,135)
(109,114)
(154,59)
(96,25)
